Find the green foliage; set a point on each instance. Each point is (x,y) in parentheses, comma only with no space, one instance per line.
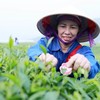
(21,79)
(81,71)
(96,51)
(11,42)
(43,49)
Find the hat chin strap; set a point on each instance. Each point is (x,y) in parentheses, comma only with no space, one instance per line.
(66,43)
(50,32)
(91,40)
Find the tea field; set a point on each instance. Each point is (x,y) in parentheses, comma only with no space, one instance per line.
(21,79)
(96,51)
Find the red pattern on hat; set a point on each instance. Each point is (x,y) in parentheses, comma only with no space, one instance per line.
(46,22)
(91,26)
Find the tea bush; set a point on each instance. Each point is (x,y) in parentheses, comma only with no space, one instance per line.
(21,79)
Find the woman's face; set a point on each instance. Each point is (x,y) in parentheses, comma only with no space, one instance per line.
(67,30)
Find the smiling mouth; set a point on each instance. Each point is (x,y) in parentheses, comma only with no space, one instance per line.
(66,38)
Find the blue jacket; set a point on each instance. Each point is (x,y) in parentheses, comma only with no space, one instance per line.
(55,49)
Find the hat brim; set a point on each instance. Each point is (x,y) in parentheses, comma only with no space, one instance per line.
(86,24)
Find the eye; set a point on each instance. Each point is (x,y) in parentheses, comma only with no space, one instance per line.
(62,26)
(74,26)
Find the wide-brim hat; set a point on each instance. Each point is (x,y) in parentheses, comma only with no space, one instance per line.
(88,25)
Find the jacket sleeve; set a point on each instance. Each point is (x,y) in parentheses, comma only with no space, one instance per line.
(95,66)
(35,50)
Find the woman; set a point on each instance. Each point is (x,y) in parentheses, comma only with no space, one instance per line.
(68,31)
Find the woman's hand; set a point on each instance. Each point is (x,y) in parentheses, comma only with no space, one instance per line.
(48,58)
(65,70)
(78,60)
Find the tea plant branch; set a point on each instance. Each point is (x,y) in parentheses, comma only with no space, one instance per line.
(44,50)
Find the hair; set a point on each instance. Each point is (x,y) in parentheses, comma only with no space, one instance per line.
(69,17)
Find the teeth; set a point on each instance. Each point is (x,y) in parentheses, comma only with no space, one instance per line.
(66,38)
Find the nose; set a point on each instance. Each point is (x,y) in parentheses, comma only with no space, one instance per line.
(67,30)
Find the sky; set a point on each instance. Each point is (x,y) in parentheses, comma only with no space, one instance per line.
(18,18)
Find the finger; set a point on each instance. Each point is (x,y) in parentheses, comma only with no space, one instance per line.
(71,61)
(76,65)
(83,63)
(78,62)
(54,61)
(49,57)
(87,66)
(42,57)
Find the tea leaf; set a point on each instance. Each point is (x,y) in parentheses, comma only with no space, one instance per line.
(25,81)
(75,74)
(63,70)
(52,95)
(81,71)
(11,42)
(77,96)
(37,95)
(43,49)
(2,97)
(12,77)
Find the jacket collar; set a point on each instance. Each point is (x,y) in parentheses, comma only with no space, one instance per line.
(55,45)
